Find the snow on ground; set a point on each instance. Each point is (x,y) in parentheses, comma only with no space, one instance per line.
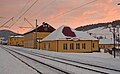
(11,65)
(101,31)
(101,59)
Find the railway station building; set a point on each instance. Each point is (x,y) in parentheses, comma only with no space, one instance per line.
(65,39)
(31,37)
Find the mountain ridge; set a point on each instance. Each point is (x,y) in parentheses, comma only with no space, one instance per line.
(92,26)
(6,33)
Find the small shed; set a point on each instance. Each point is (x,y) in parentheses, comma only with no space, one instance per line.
(16,40)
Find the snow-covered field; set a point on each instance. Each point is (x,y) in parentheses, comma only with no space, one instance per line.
(11,65)
(101,31)
(97,58)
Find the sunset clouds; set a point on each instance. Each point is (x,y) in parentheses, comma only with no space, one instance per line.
(96,12)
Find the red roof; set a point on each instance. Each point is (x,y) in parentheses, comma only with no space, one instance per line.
(68,32)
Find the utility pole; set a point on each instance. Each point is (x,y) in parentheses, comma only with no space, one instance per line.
(114,41)
(36,35)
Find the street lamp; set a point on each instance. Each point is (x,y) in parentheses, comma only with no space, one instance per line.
(114,30)
(118,38)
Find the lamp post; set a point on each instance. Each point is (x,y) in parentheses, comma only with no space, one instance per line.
(114,30)
(118,37)
(36,35)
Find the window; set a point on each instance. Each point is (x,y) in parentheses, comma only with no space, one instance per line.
(45,28)
(103,46)
(65,46)
(83,46)
(71,45)
(44,45)
(14,39)
(77,45)
(49,45)
(93,45)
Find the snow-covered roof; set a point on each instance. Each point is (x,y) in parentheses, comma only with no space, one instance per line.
(106,41)
(17,36)
(59,35)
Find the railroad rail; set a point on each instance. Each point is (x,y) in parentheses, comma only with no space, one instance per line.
(64,62)
(55,59)
(53,67)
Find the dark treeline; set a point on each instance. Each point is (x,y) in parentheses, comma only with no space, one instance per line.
(92,26)
(6,33)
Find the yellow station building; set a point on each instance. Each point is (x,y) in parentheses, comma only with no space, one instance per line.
(31,37)
(16,41)
(65,39)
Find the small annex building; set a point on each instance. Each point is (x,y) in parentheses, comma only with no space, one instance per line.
(65,39)
(106,44)
(16,41)
(31,37)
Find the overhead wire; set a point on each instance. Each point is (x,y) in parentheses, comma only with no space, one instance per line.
(24,13)
(70,10)
(24,7)
(17,14)
(43,8)
(6,22)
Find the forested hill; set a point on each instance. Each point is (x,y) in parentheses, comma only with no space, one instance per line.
(6,33)
(92,26)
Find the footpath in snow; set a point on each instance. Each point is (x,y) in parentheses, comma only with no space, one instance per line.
(11,65)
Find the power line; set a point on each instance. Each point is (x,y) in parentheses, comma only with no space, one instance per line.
(6,22)
(43,8)
(25,19)
(70,10)
(24,13)
(23,7)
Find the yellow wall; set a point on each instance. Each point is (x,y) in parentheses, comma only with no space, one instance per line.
(48,45)
(106,46)
(30,39)
(16,41)
(88,46)
(95,45)
(58,46)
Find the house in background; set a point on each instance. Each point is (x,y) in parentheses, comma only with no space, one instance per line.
(65,39)
(106,44)
(16,41)
(31,37)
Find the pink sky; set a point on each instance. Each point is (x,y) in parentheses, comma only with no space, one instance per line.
(96,12)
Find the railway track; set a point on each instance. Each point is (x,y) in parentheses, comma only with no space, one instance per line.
(64,61)
(102,69)
(59,70)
